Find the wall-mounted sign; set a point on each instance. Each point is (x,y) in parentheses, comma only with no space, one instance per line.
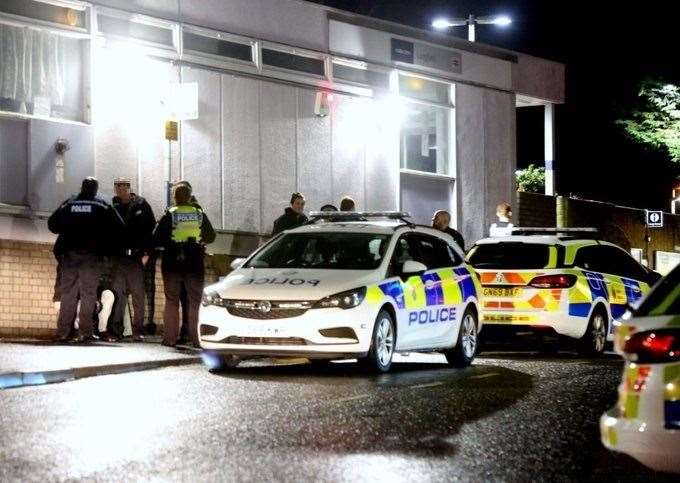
(655,219)
(402,51)
(424,55)
(180,101)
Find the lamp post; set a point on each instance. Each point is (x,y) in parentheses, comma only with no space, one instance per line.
(471,21)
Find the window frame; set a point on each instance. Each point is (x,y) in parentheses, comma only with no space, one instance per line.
(219,61)
(295,51)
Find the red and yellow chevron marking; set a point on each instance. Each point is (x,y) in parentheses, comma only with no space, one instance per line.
(629,395)
(508,278)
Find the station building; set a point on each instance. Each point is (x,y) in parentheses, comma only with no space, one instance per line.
(272,97)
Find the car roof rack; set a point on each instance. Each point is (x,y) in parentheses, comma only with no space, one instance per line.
(315,216)
(562,233)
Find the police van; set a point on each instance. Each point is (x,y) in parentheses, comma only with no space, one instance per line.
(556,282)
(354,285)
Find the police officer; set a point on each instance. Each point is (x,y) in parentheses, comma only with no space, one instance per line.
(131,255)
(182,232)
(441,220)
(293,215)
(85,224)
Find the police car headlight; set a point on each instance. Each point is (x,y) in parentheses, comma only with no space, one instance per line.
(343,300)
(211,298)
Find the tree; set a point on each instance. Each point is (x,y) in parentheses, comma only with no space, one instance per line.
(656,121)
(531,180)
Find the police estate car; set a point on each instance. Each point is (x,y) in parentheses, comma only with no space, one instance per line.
(345,286)
(561,283)
(645,423)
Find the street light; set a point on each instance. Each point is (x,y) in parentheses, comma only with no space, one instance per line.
(471,21)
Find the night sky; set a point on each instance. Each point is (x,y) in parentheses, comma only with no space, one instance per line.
(608,48)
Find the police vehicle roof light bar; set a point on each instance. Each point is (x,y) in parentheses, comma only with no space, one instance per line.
(553,231)
(357,215)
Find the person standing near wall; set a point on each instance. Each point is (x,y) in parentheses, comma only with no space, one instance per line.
(86,225)
(441,220)
(503,227)
(131,255)
(182,232)
(293,216)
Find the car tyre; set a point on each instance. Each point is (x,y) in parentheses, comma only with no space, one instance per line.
(224,362)
(594,340)
(383,341)
(462,354)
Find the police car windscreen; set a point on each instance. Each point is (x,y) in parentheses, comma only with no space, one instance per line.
(341,251)
(515,256)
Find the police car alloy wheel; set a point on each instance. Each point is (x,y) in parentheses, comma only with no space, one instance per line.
(462,354)
(379,357)
(595,338)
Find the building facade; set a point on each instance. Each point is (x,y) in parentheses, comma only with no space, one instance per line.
(279,96)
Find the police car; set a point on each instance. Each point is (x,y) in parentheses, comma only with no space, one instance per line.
(347,285)
(556,282)
(645,423)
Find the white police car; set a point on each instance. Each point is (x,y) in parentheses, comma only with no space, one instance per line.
(645,423)
(347,285)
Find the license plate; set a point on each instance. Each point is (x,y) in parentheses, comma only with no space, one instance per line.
(501,292)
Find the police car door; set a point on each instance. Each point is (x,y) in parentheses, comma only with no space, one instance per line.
(407,291)
(438,322)
(625,278)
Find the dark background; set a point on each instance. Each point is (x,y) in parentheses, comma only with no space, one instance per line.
(608,47)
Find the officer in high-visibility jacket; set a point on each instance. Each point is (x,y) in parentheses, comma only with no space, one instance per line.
(182,233)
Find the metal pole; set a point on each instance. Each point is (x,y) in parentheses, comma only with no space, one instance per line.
(471,28)
(168,176)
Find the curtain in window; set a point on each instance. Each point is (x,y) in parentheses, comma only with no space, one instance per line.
(31,64)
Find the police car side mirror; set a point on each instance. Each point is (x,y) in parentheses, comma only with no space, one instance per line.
(653,277)
(411,267)
(237,263)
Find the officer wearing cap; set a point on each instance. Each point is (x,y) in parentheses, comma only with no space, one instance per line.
(86,224)
(131,255)
(182,232)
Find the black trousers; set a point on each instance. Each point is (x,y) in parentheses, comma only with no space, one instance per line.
(172,283)
(127,279)
(80,272)
(150,287)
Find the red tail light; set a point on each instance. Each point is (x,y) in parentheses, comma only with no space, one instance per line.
(553,281)
(661,345)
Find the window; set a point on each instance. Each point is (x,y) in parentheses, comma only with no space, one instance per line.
(217,47)
(360,73)
(621,264)
(424,138)
(591,258)
(510,255)
(423,89)
(63,15)
(294,62)
(151,31)
(436,253)
(41,73)
(341,251)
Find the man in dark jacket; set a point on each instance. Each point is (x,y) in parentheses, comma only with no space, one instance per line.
(293,216)
(182,232)
(441,220)
(86,224)
(131,256)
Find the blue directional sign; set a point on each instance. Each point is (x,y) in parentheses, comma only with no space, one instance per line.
(655,219)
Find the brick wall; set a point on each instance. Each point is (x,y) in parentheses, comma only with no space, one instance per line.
(27,274)
(534,210)
(618,224)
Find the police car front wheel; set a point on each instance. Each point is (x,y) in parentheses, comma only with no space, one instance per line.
(384,338)
(462,354)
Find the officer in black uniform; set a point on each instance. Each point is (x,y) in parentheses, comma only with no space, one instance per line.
(86,225)
(131,255)
(441,220)
(182,232)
